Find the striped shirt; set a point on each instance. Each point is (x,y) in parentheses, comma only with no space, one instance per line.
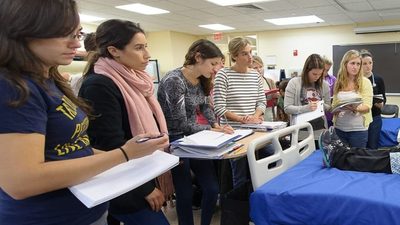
(239,93)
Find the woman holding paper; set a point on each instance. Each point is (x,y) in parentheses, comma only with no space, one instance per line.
(44,145)
(122,96)
(181,92)
(351,124)
(378,100)
(304,93)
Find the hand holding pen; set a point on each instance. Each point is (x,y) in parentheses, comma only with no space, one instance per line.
(224,128)
(227,128)
(144,139)
(144,144)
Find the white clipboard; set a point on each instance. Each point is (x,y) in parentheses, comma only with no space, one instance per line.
(308,116)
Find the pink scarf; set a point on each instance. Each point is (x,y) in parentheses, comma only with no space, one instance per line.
(137,90)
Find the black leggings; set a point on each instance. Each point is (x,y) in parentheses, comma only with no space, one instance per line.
(363,159)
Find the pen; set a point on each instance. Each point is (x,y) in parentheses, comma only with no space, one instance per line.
(235,148)
(226,120)
(144,139)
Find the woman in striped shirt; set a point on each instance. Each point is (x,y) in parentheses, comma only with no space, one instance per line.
(239,96)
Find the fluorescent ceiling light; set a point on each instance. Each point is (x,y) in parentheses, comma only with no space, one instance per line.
(236,2)
(88,19)
(295,20)
(142,9)
(216,26)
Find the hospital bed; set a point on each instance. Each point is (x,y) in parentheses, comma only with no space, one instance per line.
(293,187)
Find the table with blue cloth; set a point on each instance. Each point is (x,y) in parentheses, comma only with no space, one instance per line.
(310,194)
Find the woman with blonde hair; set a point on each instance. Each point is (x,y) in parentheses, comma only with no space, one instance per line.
(351,124)
(239,96)
(268,85)
(330,79)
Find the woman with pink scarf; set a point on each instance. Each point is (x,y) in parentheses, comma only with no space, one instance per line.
(121,94)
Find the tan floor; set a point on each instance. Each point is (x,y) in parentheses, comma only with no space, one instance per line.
(170,213)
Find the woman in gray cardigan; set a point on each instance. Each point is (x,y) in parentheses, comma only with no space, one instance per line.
(303,93)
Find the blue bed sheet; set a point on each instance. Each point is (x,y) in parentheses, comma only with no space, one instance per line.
(388,134)
(313,195)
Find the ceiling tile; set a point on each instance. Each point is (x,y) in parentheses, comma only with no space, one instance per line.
(186,15)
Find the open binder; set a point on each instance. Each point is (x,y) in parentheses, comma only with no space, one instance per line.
(208,139)
(123,178)
(208,144)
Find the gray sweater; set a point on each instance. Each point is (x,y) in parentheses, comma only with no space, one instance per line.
(179,100)
(292,101)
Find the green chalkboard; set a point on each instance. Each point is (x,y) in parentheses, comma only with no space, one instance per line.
(386,62)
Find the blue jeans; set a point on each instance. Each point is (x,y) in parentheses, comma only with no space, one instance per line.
(144,216)
(240,171)
(240,166)
(353,138)
(206,178)
(374,132)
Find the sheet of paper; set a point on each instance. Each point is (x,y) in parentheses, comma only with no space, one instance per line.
(308,116)
(123,178)
(207,139)
(242,133)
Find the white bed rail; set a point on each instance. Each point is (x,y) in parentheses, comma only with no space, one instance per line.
(262,170)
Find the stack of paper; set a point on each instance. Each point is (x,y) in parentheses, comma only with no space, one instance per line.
(207,144)
(265,126)
(202,153)
(123,178)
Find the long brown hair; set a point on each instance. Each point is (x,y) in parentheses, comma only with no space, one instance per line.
(314,61)
(207,50)
(21,20)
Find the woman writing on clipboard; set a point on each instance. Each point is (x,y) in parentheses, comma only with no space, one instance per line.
(303,93)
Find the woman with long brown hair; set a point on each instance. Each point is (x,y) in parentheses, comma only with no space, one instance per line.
(122,96)
(44,145)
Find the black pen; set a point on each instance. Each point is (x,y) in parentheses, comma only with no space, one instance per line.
(144,139)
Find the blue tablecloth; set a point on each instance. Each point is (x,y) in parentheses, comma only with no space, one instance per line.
(313,195)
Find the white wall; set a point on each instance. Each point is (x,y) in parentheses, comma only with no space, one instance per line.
(312,40)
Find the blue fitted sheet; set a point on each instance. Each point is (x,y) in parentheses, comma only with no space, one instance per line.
(388,134)
(313,195)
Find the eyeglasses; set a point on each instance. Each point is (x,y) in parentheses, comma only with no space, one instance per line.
(79,36)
